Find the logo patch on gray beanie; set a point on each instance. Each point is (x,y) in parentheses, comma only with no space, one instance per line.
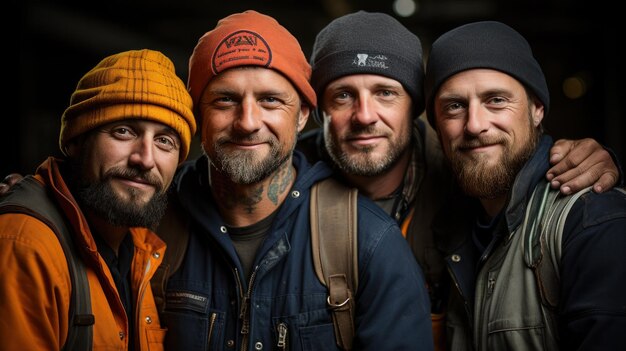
(368,43)
(365,60)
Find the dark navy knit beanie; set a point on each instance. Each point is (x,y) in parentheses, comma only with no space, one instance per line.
(368,43)
(487,44)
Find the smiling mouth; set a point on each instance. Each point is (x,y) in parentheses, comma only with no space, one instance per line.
(245,145)
(137,183)
(364,139)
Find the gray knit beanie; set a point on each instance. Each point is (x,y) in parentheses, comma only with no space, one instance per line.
(368,43)
(487,44)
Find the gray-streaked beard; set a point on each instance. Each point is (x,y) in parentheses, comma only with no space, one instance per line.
(361,162)
(243,167)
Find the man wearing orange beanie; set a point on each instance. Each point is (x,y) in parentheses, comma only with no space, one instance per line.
(128,126)
(247,280)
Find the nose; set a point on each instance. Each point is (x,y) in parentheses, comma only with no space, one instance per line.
(477,120)
(249,119)
(365,111)
(142,155)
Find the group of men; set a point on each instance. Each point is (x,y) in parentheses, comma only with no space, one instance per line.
(458,187)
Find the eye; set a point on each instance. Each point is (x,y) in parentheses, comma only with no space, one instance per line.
(387,95)
(497,100)
(270,102)
(224,99)
(166,142)
(123,132)
(453,108)
(342,97)
(221,102)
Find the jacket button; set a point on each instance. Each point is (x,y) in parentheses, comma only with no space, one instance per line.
(149,320)
(295,194)
(156,255)
(230,343)
(223,229)
(456,258)
(258,345)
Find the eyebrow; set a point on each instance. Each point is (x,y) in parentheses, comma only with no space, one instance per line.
(375,86)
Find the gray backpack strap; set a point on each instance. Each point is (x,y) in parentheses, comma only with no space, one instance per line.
(174,230)
(334,249)
(543,233)
(29,197)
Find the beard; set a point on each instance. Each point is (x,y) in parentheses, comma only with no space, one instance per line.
(478,178)
(364,162)
(245,167)
(102,200)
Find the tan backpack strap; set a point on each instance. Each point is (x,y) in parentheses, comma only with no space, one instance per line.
(334,248)
(174,230)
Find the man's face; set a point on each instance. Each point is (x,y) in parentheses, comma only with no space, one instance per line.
(250,118)
(367,123)
(488,129)
(125,169)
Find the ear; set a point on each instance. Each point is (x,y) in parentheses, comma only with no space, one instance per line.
(77,145)
(537,112)
(72,148)
(303,116)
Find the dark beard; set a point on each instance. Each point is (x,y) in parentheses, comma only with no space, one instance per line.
(102,200)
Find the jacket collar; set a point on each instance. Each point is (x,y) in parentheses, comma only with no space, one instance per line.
(531,174)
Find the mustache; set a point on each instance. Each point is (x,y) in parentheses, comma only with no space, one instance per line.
(357,131)
(243,139)
(133,173)
(473,142)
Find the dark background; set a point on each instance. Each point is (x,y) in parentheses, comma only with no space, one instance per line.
(56,42)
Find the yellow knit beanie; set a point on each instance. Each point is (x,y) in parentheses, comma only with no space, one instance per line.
(138,84)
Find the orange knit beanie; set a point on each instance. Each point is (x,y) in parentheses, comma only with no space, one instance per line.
(140,84)
(249,39)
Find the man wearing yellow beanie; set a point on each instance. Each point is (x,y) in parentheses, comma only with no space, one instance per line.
(247,280)
(128,126)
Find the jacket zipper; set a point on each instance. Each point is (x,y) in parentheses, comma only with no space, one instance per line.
(283,341)
(483,288)
(211,325)
(244,313)
(140,295)
(466,304)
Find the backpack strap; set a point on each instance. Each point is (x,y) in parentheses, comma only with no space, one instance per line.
(543,233)
(334,246)
(174,230)
(29,197)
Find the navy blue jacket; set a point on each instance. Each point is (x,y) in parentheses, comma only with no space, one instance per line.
(210,305)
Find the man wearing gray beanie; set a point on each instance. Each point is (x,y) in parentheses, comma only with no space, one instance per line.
(368,76)
(538,270)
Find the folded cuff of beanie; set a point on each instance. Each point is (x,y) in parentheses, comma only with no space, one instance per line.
(343,63)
